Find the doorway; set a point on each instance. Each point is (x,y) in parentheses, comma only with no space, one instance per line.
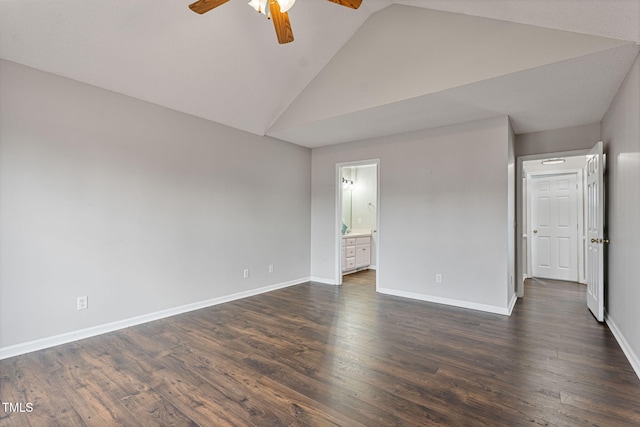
(555,223)
(589,167)
(554,234)
(550,213)
(357,218)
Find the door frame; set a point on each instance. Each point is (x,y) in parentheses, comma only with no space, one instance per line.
(520,181)
(580,213)
(338,217)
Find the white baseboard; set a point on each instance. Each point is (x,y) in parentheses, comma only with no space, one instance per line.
(323,280)
(448,301)
(626,348)
(512,304)
(28,347)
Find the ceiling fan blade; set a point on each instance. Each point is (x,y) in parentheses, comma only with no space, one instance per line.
(281,23)
(353,4)
(202,6)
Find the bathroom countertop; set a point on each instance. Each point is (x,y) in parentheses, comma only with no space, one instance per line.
(357,234)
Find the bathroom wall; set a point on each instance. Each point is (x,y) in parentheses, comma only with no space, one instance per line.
(364,203)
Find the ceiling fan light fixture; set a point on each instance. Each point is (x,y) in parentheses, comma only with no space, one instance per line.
(262,6)
(275,10)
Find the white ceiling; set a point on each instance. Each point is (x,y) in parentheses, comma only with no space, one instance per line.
(327,86)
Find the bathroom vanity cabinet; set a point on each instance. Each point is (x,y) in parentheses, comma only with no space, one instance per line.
(356,252)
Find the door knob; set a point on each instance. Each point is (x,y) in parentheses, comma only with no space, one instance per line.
(594,240)
(535,231)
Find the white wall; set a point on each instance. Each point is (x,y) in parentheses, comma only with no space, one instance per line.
(138,207)
(443,210)
(365,204)
(621,135)
(364,192)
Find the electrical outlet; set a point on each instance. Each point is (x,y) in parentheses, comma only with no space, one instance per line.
(82,303)
(270,268)
(438,278)
(246,273)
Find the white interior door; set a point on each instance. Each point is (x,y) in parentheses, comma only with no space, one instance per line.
(554,225)
(595,231)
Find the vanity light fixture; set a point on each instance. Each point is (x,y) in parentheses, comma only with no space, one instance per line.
(553,161)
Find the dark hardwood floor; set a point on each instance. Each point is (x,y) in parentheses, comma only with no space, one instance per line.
(320,355)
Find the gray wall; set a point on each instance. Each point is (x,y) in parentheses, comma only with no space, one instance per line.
(136,206)
(443,210)
(558,140)
(621,135)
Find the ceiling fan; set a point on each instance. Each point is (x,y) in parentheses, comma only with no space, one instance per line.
(276,10)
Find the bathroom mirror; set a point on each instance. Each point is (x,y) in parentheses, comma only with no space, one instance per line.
(346,207)
(359,193)
(348,180)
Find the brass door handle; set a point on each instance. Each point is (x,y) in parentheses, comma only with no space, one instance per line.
(600,241)
(594,240)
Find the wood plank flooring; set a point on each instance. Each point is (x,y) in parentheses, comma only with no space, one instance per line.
(319,355)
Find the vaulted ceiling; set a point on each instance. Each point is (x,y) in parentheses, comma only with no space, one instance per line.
(388,67)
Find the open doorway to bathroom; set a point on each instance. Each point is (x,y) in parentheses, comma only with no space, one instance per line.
(357,216)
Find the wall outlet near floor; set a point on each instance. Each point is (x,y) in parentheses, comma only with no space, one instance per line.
(246,273)
(438,278)
(82,303)
(270,268)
